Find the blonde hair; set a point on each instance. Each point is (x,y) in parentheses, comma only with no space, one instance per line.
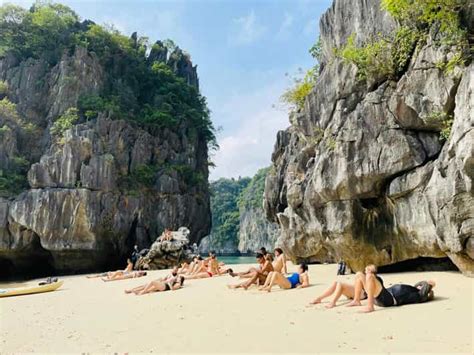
(373,267)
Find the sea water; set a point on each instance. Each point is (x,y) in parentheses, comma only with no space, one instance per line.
(232,260)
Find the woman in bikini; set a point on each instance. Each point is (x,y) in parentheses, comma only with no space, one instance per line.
(128,269)
(395,295)
(279,264)
(206,271)
(158,286)
(298,279)
(129,275)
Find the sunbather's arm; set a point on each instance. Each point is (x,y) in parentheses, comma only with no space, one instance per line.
(304,281)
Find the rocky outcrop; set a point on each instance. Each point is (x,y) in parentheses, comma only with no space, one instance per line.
(256,231)
(362,174)
(102,186)
(169,253)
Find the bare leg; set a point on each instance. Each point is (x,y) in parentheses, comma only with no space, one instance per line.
(370,288)
(325,294)
(151,287)
(200,275)
(358,286)
(267,280)
(251,281)
(341,289)
(280,280)
(135,290)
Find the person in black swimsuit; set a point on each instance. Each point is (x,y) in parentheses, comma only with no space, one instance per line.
(395,295)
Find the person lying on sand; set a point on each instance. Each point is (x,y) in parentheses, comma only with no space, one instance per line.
(279,264)
(158,286)
(129,275)
(127,269)
(298,279)
(395,295)
(206,270)
(258,276)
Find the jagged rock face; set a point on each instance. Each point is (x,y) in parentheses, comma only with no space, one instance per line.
(256,231)
(361,174)
(169,253)
(79,214)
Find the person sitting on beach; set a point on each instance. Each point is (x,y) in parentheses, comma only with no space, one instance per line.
(157,286)
(128,268)
(258,276)
(129,275)
(298,279)
(206,270)
(396,295)
(248,273)
(263,251)
(279,264)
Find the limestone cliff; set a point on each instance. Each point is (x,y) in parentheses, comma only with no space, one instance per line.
(362,174)
(105,183)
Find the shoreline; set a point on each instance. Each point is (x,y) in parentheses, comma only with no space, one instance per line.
(89,315)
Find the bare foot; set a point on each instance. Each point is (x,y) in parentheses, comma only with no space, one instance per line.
(367,310)
(315,301)
(330,305)
(354,304)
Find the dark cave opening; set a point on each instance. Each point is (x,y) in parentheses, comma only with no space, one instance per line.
(420,264)
(369,203)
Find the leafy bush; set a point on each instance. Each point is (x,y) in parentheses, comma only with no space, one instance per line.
(388,57)
(382,58)
(64,122)
(303,83)
(14,180)
(446,129)
(3,88)
(8,110)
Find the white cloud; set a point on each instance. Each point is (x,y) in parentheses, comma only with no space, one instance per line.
(248,148)
(285,28)
(248,29)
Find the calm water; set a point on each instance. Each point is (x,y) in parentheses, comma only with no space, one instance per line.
(232,260)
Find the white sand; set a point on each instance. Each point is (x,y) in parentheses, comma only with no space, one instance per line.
(88,315)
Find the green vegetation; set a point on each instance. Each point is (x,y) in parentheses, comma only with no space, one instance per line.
(388,57)
(3,88)
(228,198)
(8,110)
(252,195)
(225,211)
(13,181)
(134,89)
(444,120)
(65,122)
(303,82)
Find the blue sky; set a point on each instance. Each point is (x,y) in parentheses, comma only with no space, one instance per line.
(243,48)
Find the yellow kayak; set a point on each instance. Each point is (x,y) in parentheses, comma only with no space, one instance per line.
(30,290)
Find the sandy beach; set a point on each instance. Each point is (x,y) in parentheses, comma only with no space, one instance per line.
(89,315)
